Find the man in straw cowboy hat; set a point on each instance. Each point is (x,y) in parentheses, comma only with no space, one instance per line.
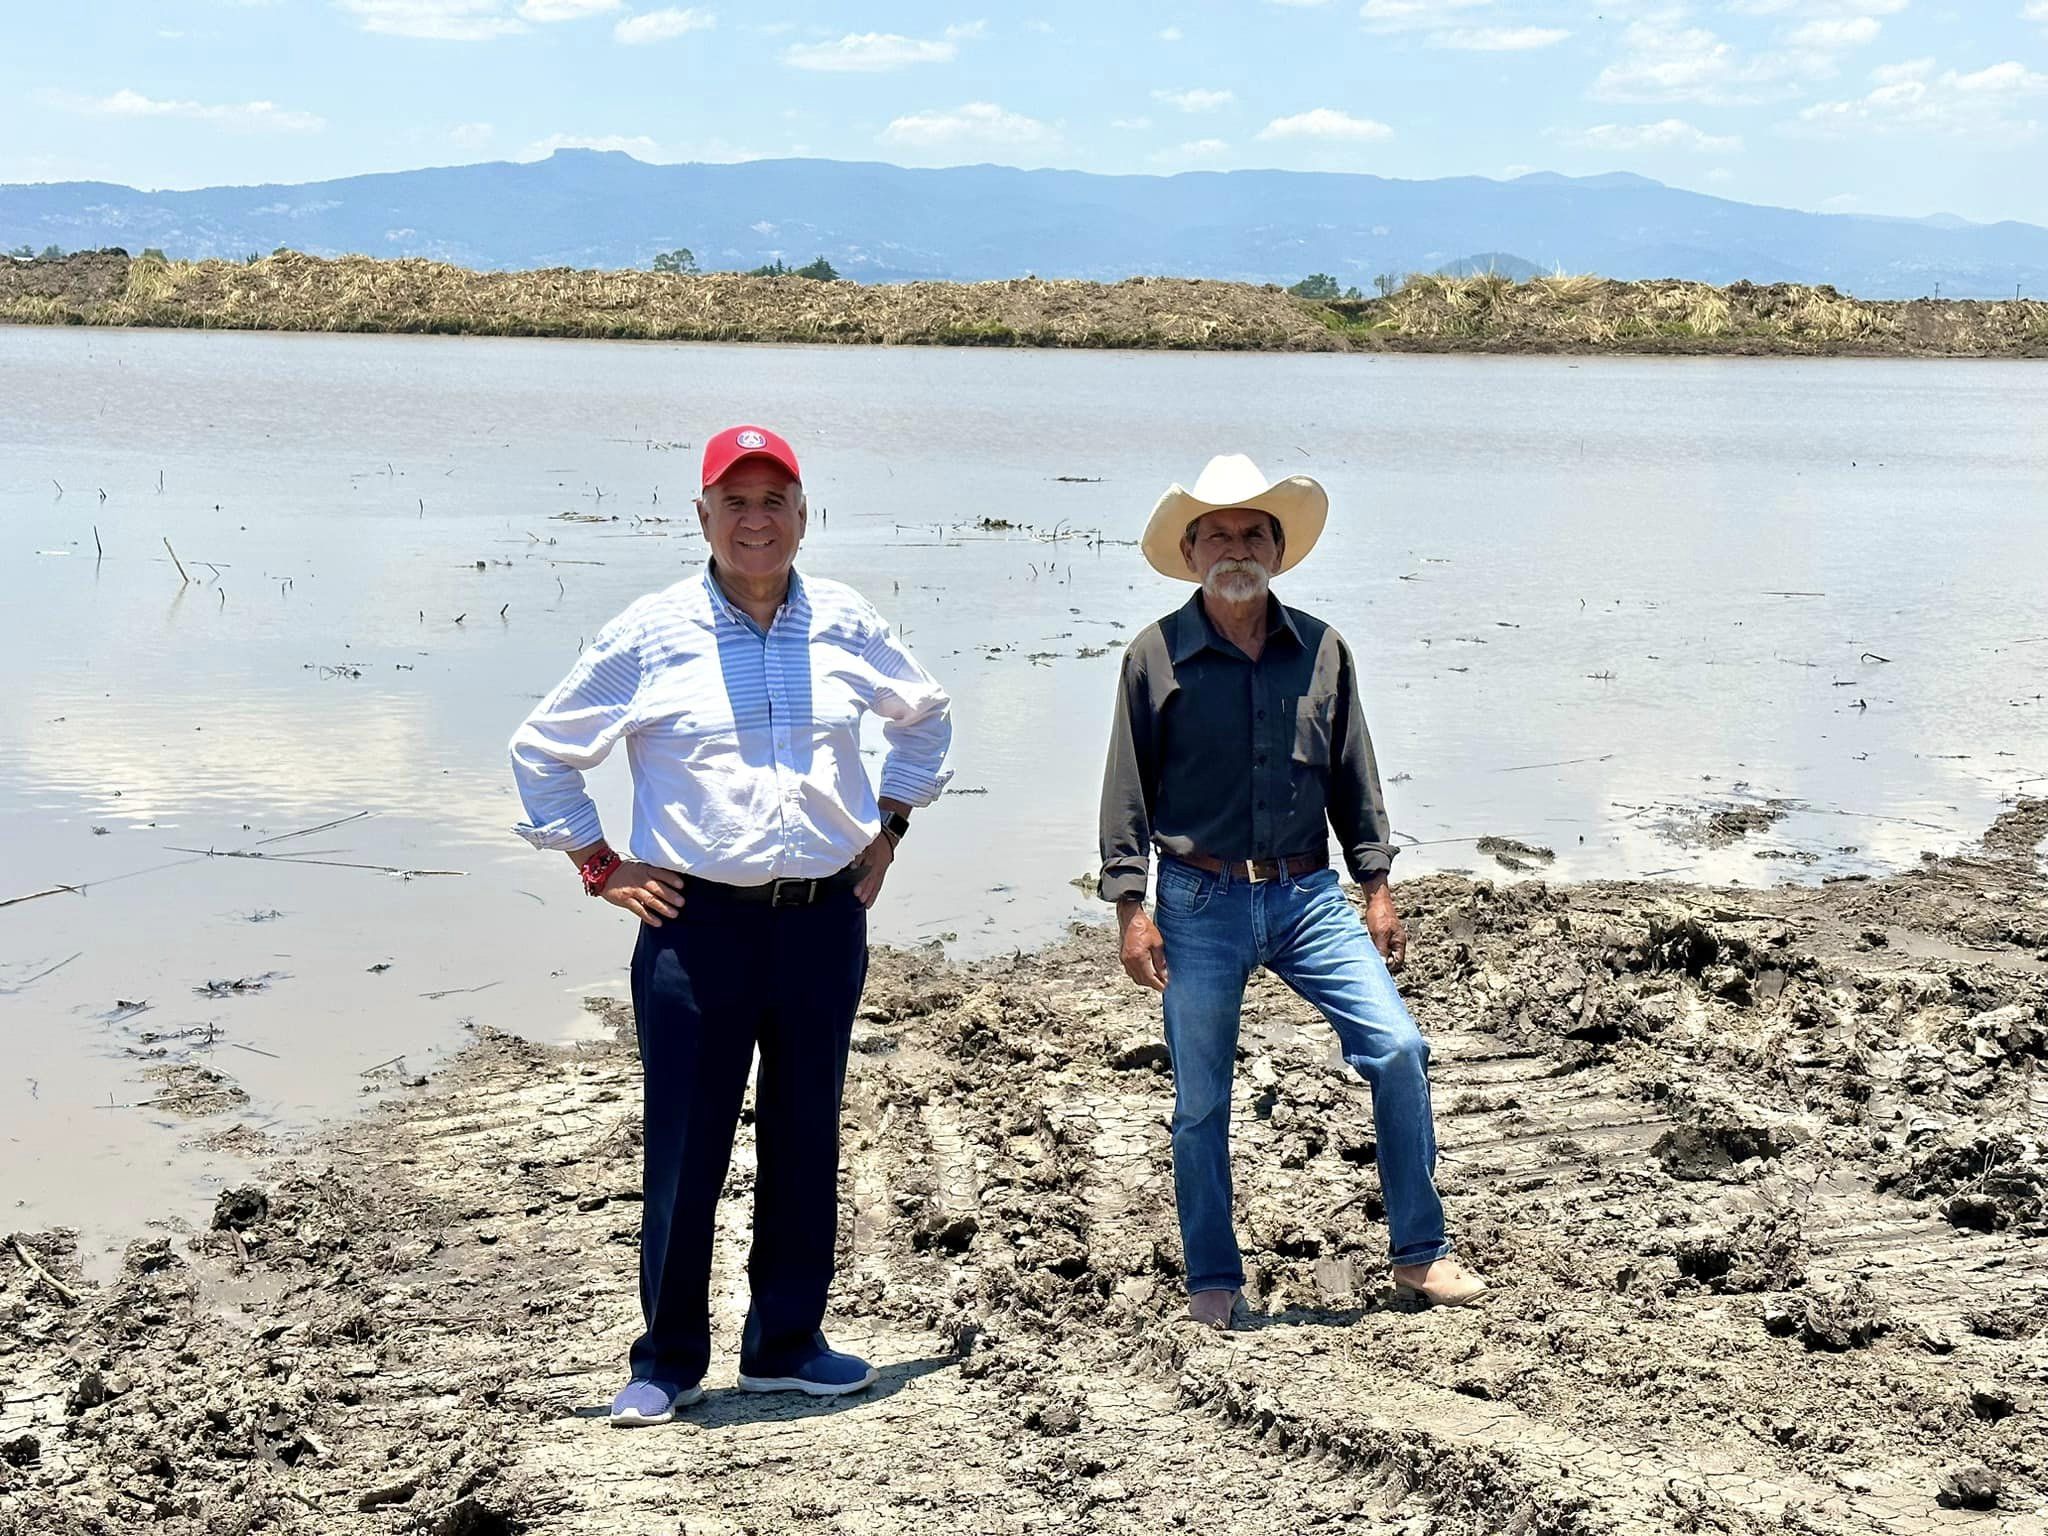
(1239,743)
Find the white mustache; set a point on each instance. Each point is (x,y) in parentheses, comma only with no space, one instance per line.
(1234,579)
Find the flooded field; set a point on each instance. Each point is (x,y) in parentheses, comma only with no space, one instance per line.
(284,598)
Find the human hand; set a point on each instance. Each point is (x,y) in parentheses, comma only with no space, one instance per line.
(1144,950)
(873,863)
(648,892)
(1389,933)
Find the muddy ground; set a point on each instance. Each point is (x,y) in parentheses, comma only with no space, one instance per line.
(1757,1175)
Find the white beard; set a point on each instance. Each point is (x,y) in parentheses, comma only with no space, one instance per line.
(1236,581)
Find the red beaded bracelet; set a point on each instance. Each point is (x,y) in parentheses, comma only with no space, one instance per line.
(598,869)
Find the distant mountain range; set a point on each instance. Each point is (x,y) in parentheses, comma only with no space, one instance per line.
(886,223)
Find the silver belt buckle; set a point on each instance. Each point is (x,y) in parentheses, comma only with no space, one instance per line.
(809,888)
(1251,873)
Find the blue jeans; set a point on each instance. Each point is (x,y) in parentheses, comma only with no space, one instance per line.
(1217,932)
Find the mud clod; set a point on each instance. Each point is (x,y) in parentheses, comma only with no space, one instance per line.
(241,1209)
(1970,1488)
(1849,1318)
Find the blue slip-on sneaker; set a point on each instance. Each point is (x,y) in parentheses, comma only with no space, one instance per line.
(827,1373)
(643,1403)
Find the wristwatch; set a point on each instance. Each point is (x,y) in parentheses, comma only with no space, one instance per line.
(895,823)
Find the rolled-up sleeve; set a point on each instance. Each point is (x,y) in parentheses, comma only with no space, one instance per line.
(1129,782)
(917,721)
(1358,808)
(573,730)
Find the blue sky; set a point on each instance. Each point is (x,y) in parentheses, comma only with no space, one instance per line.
(1870,106)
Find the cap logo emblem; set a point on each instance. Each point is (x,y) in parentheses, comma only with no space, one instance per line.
(751,440)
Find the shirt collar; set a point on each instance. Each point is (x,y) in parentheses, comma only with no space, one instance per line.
(794,602)
(1191,631)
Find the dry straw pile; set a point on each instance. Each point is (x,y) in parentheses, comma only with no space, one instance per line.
(1486,312)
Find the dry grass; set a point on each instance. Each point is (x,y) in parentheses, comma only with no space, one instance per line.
(294,292)
(1485,311)
(1582,312)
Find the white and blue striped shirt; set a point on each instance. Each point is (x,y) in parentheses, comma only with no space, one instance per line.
(744,747)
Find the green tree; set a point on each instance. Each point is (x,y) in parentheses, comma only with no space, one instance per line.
(153,253)
(821,270)
(1386,282)
(53,253)
(1317,285)
(774,268)
(679,260)
(23,253)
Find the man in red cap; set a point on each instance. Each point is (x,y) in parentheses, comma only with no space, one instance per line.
(757,847)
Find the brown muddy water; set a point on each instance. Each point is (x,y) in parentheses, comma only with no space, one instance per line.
(1732,621)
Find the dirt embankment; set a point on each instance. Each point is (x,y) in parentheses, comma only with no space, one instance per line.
(1486,313)
(1758,1176)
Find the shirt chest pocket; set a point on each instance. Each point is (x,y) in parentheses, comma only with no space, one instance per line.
(1311,719)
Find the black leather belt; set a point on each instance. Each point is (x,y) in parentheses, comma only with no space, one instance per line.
(1258,871)
(771,893)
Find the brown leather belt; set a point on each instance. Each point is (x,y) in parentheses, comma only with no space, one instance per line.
(1258,871)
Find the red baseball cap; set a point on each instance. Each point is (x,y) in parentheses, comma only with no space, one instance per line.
(737,443)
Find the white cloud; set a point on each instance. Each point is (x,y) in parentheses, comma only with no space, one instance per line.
(1195,100)
(1985,104)
(1498,39)
(1908,69)
(457,21)
(1665,62)
(564,10)
(660,26)
(870,52)
(1837,32)
(977,122)
(2035,10)
(1304,4)
(1325,123)
(1131,124)
(253,116)
(1451,24)
(1671,133)
(471,135)
(1386,15)
(1169,34)
(639,146)
(1818,8)
(2008,79)
(1195,152)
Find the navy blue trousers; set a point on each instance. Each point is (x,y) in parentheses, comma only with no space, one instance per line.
(708,988)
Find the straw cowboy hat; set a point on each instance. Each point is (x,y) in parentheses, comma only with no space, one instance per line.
(1232,480)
